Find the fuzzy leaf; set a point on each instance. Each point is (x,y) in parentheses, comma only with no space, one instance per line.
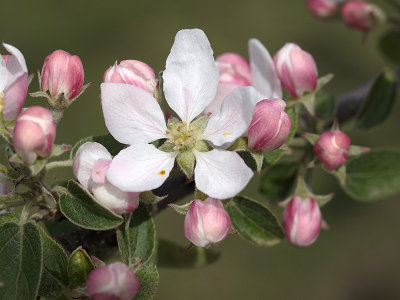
(149,280)
(79,267)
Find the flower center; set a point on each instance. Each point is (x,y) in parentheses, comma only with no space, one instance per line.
(183,136)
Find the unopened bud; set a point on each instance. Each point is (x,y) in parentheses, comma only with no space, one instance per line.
(132,72)
(115,281)
(296,69)
(270,126)
(233,69)
(302,221)
(206,222)
(361,15)
(90,166)
(62,74)
(332,148)
(34,134)
(322,8)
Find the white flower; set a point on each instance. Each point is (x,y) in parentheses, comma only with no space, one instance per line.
(134,117)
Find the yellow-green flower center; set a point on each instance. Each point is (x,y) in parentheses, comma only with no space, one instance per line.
(183,136)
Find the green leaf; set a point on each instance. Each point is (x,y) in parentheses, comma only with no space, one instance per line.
(108,141)
(54,275)
(272,157)
(325,106)
(79,267)
(373,175)
(149,198)
(389,45)
(254,222)
(136,237)
(21,257)
(83,210)
(170,255)
(379,103)
(278,181)
(8,218)
(292,113)
(149,279)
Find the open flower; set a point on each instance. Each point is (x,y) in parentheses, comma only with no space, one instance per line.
(13,83)
(134,117)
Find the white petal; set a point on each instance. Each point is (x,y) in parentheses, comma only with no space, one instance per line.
(223,90)
(221,174)
(234,118)
(263,74)
(16,64)
(3,74)
(85,159)
(131,114)
(140,168)
(191,76)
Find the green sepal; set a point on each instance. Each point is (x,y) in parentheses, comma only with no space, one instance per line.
(79,267)
(149,198)
(186,162)
(181,209)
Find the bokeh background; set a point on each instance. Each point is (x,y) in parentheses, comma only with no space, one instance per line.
(358,259)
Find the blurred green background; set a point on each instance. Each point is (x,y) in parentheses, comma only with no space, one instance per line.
(358,259)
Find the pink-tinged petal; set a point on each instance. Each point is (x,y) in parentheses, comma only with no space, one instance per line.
(28,137)
(191,76)
(140,168)
(224,90)
(3,74)
(54,71)
(221,174)
(131,114)
(16,62)
(263,75)
(85,159)
(14,97)
(305,71)
(74,78)
(234,118)
(233,69)
(99,170)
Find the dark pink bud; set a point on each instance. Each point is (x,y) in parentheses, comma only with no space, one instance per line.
(112,282)
(132,72)
(332,148)
(62,74)
(34,134)
(302,221)
(296,69)
(233,69)
(270,126)
(322,8)
(361,15)
(206,222)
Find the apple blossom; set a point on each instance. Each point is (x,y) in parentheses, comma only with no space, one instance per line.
(13,83)
(34,134)
(323,8)
(206,222)
(233,69)
(90,165)
(361,15)
(134,117)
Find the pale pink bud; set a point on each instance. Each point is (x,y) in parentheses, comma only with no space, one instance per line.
(132,72)
(112,282)
(62,74)
(332,148)
(233,69)
(34,134)
(322,8)
(296,69)
(361,15)
(270,126)
(206,222)
(302,221)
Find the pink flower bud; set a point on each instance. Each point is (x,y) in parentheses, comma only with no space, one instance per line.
(322,8)
(233,69)
(112,282)
(361,15)
(206,222)
(270,126)
(332,148)
(296,69)
(132,72)
(62,74)
(302,221)
(34,134)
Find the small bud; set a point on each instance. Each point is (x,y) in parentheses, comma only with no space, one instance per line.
(34,134)
(322,8)
(62,74)
(233,69)
(302,221)
(115,281)
(270,126)
(132,72)
(296,69)
(361,15)
(206,222)
(332,148)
